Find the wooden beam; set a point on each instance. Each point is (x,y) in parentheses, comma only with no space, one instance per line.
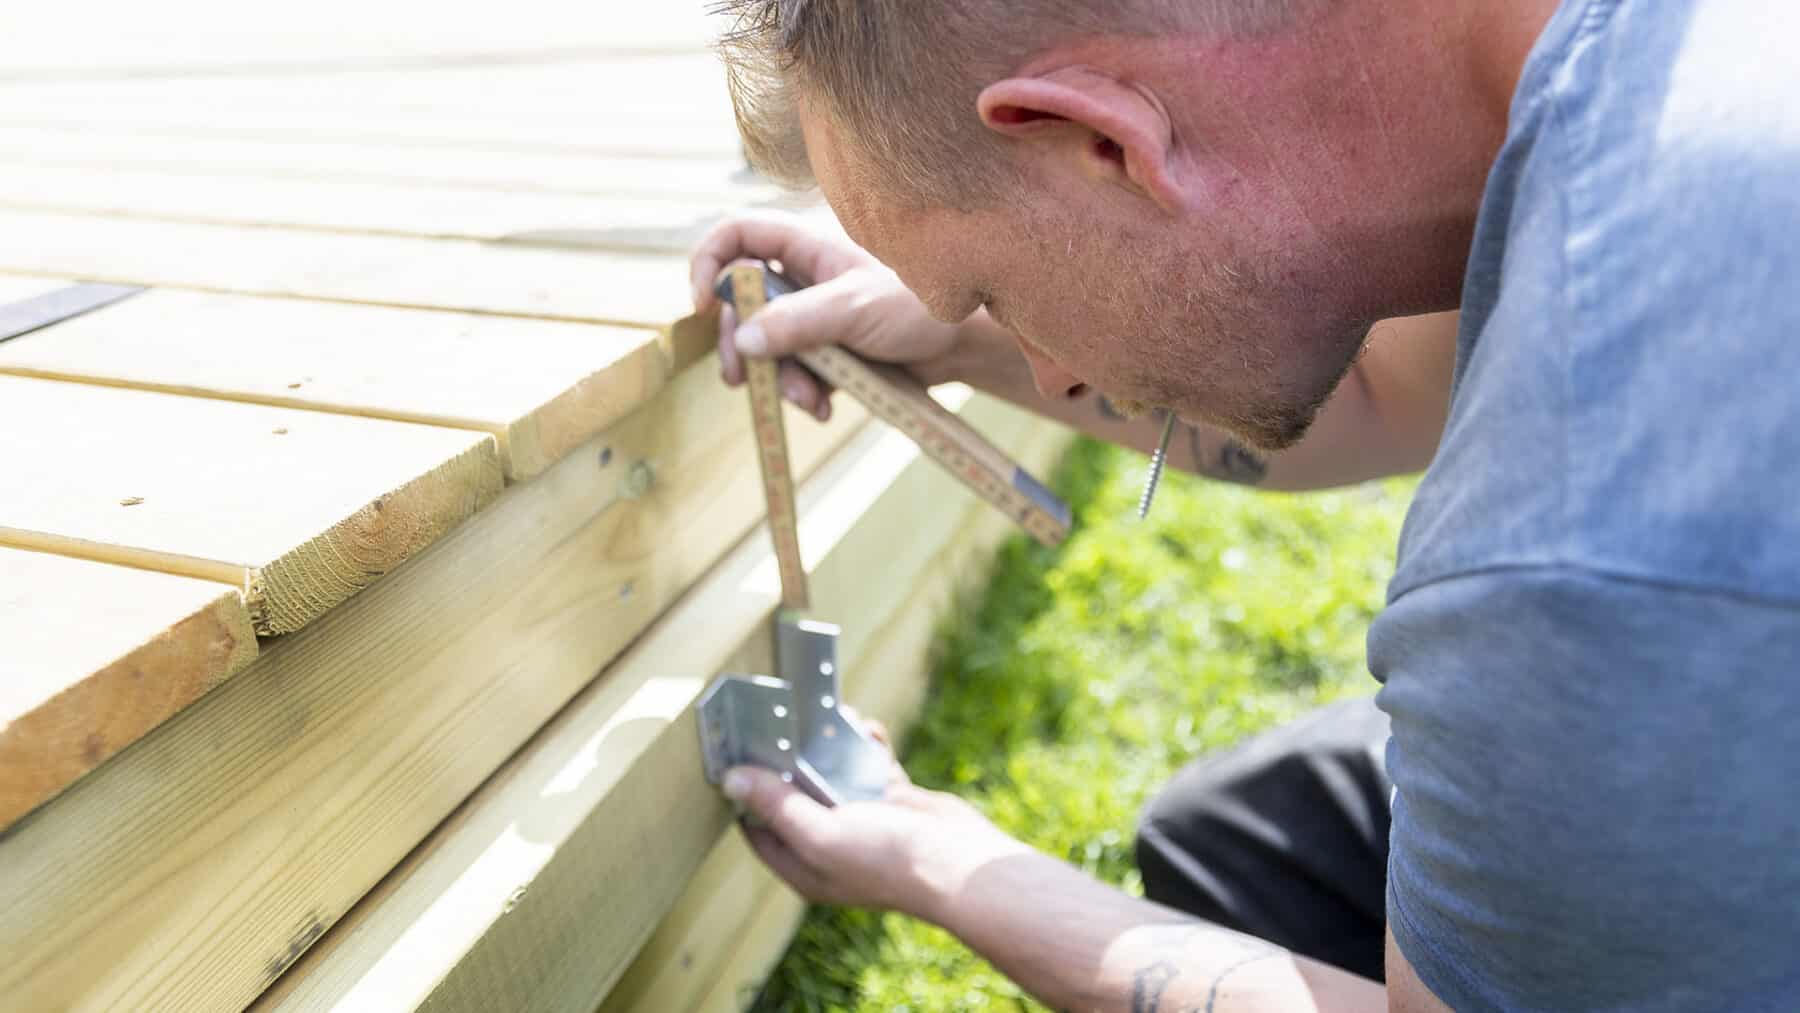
(588,286)
(218,848)
(299,509)
(536,894)
(541,388)
(94,657)
(733,920)
(765,939)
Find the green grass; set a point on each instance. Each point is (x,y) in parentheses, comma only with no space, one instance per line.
(1081,678)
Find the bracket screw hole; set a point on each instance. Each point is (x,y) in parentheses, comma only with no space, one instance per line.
(826,668)
(783,745)
(780,711)
(828,701)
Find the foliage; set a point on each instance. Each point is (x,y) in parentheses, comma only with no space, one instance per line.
(1081,678)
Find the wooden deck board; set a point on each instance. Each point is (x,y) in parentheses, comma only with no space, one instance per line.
(679,106)
(216,850)
(86,39)
(373,161)
(541,388)
(93,656)
(298,509)
(632,224)
(587,286)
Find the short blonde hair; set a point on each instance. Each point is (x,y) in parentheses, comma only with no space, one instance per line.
(902,76)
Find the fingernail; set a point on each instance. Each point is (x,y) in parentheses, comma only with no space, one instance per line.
(823,414)
(736,785)
(751,340)
(794,391)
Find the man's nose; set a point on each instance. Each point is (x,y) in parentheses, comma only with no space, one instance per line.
(1053,382)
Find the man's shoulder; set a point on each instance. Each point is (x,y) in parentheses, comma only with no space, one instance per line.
(1627,377)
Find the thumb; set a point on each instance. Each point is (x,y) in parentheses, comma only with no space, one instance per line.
(802,824)
(809,318)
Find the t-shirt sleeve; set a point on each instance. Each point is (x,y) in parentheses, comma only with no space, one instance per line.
(1597,791)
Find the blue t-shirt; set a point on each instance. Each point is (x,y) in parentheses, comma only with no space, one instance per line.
(1591,652)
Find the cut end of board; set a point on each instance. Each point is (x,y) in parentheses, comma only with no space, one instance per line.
(326,570)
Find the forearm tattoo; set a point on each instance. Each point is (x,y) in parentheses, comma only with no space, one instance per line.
(1148,985)
(1152,980)
(1233,462)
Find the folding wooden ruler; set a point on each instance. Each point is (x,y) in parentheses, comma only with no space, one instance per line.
(792,724)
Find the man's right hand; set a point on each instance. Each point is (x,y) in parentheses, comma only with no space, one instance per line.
(853,300)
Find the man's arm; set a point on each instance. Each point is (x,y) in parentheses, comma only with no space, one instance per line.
(1078,944)
(1384,418)
(1070,940)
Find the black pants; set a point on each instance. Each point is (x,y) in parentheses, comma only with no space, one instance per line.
(1284,837)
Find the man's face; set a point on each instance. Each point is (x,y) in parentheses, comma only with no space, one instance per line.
(1225,324)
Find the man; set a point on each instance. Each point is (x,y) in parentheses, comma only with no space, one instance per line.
(1589,652)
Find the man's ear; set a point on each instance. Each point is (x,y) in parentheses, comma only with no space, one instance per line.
(1112,131)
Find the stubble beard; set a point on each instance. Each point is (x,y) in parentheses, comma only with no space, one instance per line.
(1210,360)
(1197,336)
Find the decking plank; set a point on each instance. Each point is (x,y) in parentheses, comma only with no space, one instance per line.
(506,279)
(93,656)
(630,224)
(373,160)
(298,509)
(541,388)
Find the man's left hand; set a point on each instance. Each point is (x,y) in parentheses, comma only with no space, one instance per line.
(909,851)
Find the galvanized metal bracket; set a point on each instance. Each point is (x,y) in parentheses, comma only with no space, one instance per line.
(793,725)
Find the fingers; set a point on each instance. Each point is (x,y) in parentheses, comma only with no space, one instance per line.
(803,826)
(824,314)
(769,235)
(782,860)
(731,365)
(798,384)
(807,391)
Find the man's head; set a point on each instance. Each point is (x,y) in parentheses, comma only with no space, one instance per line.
(1201,204)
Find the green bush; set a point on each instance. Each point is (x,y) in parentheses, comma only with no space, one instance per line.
(1081,678)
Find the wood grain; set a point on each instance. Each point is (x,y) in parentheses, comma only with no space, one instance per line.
(82,39)
(94,657)
(536,894)
(645,224)
(679,106)
(541,388)
(299,509)
(470,168)
(217,849)
(588,286)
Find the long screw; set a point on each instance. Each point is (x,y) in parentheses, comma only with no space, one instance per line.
(1156,465)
